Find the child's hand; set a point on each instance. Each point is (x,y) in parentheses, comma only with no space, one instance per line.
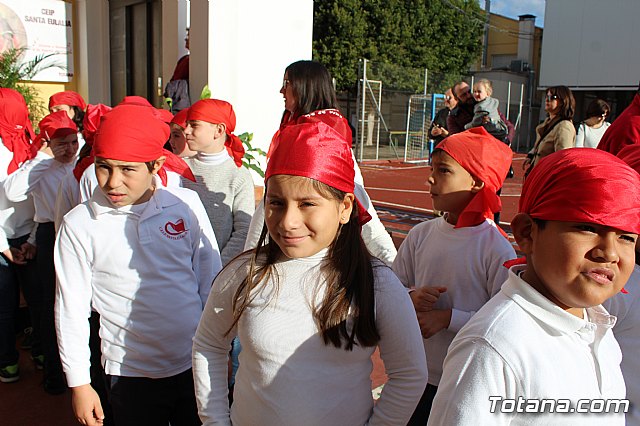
(46,149)
(424,298)
(86,405)
(28,251)
(433,321)
(14,256)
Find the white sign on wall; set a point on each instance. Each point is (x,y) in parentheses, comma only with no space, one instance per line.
(42,27)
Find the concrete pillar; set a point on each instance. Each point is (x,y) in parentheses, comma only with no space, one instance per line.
(93,74)
(240,48)
(174,29)
(527,29)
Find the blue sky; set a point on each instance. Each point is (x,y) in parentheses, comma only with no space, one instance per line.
(513,8)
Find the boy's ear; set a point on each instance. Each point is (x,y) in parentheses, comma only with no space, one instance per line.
(158,164)
(522,228)
(221,130)
(477,185)
(346,207)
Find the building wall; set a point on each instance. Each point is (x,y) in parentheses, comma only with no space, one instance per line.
(591,44)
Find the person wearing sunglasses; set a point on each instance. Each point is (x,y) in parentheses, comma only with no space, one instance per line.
(438,130)
(557,131)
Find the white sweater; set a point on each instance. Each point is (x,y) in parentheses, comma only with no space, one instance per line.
(147,270)
(374,234)
(39,177)
(588,137)
(468,261)
(287,375)
(522,345)
(626,307)
(16,219)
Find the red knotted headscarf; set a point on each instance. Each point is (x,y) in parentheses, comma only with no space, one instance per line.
(488,160)
(630,154)
(90,124)
(625,130)
(181,118)
(216,111)
(583,185)
(68,97)
(316,151)
(134,133)
(330,116)
(56,125)
(14,125)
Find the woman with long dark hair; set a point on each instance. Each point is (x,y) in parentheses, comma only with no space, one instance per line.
(309,96)
(557,131)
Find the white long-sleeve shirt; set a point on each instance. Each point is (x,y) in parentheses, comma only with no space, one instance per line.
(40,177)
(374,234)
(522,345)
(288,376)
(16,219)
(147,270)
(468,261)
(626,307)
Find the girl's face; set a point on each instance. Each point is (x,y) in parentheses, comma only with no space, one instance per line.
(301,220)
(290,101)
(480,92)
(178,142)
(66,108)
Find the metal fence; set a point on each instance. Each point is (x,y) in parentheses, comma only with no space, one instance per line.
(395,107)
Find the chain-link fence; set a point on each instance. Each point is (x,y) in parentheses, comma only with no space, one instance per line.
(395,106)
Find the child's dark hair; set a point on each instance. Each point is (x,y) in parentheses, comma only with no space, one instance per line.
(150,165)
(78,117)
(597,108)
(346,315)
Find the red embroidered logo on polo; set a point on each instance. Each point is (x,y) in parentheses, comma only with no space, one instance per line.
(174,230)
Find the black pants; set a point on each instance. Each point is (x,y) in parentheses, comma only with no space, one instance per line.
(421,413)
(139,401)
(45,239)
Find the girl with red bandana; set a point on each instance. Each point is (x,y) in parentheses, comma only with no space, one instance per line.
(310,306)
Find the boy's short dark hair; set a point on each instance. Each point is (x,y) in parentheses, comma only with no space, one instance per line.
(540,222)
(150,165)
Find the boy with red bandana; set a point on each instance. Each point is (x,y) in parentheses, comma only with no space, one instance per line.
(545,336)
(143,256)
(223,184)
(467,169)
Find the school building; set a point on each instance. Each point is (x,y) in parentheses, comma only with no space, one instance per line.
(114,48)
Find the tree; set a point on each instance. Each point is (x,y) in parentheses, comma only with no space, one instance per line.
(14,71)
(443,36)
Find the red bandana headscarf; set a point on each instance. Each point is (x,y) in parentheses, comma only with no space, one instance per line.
(56,125)
(488,160)
(134,133)
(181,118)
(330,116)
(583,185)
(216,111)
(67,97)
(625,130)
(630,154)
(14,120)
(316,151)
(90,124)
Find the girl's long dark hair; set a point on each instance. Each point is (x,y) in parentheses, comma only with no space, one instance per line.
(346,315)
(312,86)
